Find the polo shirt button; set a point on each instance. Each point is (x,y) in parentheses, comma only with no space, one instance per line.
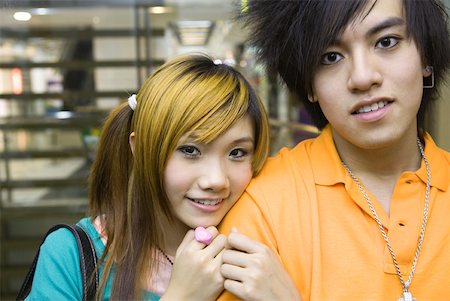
(401,224)
(408,181)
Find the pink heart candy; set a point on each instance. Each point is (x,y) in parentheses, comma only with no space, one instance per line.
(202,235)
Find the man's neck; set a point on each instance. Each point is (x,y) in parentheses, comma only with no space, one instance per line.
(379,169)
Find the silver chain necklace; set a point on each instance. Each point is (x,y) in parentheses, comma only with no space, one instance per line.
(406,293)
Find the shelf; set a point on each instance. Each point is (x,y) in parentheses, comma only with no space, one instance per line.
(66,95)
(60,120)
(45,183)
(44,154)
(69,33)
(80,64)
(60,210)
(21,244)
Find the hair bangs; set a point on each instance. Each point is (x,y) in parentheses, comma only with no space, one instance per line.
(224,101)
(336,16)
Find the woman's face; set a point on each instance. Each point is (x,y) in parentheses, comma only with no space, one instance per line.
(203,181)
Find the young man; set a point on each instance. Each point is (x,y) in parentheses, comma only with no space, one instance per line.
(362,211)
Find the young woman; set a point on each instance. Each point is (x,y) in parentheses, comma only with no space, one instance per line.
(175,157)
(362,211)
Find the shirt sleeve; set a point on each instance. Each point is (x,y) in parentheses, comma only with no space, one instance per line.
(251,219)
(58,273)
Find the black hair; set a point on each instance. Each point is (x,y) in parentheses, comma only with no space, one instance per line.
(291,35)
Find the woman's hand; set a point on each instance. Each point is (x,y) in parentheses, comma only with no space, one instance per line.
(196,270)
(253,272)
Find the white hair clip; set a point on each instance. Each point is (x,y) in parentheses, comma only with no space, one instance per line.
(132,102)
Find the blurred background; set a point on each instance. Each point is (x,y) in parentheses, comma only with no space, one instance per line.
(64,64)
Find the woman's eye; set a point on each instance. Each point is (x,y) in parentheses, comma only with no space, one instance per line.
(238,153)
(189,150)
(331,58)
(387,42)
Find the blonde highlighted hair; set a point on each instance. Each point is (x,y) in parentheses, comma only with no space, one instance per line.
(189,93)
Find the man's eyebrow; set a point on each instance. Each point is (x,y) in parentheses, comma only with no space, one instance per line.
(391,22)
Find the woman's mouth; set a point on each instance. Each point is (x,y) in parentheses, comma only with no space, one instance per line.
(207,202)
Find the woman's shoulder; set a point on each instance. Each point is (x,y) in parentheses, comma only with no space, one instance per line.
(60,241)
(58,273)
(88,226)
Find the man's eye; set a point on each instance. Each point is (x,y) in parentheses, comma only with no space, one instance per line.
(331,58)
(189,150)
(387,42)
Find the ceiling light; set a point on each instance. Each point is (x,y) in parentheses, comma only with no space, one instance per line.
(41,11)
(193,33)
(157,10)
(22,16)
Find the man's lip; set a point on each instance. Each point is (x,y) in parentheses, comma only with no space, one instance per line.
(368,102)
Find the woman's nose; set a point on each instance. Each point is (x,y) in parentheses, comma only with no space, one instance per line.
(214,176)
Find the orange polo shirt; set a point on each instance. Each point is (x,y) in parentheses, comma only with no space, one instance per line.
(308,210)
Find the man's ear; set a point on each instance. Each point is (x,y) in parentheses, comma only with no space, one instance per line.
(131,140)
(427,71)
(312,98)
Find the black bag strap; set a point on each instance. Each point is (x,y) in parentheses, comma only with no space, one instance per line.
(88,264)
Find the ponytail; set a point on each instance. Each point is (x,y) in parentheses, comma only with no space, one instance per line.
(109,180)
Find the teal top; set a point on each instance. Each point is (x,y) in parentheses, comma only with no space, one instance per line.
(58,273)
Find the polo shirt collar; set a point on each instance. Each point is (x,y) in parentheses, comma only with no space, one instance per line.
(326,163)
(328,169)
(440,173)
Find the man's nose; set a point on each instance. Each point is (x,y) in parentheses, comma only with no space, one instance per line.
(364,72)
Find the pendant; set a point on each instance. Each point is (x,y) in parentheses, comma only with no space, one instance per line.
(406,297)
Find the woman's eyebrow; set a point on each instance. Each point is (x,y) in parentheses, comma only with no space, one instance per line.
(390,22)
(244,140)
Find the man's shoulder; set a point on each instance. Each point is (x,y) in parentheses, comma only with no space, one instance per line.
(446,155)
(287,160)
(286,171)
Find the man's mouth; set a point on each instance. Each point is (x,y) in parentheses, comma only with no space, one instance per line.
(373,107)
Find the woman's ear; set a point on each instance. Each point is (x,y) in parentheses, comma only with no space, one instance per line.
(131,140)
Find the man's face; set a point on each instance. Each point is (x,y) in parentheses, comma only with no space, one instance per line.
(370,81)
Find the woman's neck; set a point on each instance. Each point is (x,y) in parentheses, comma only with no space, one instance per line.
(172,234)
